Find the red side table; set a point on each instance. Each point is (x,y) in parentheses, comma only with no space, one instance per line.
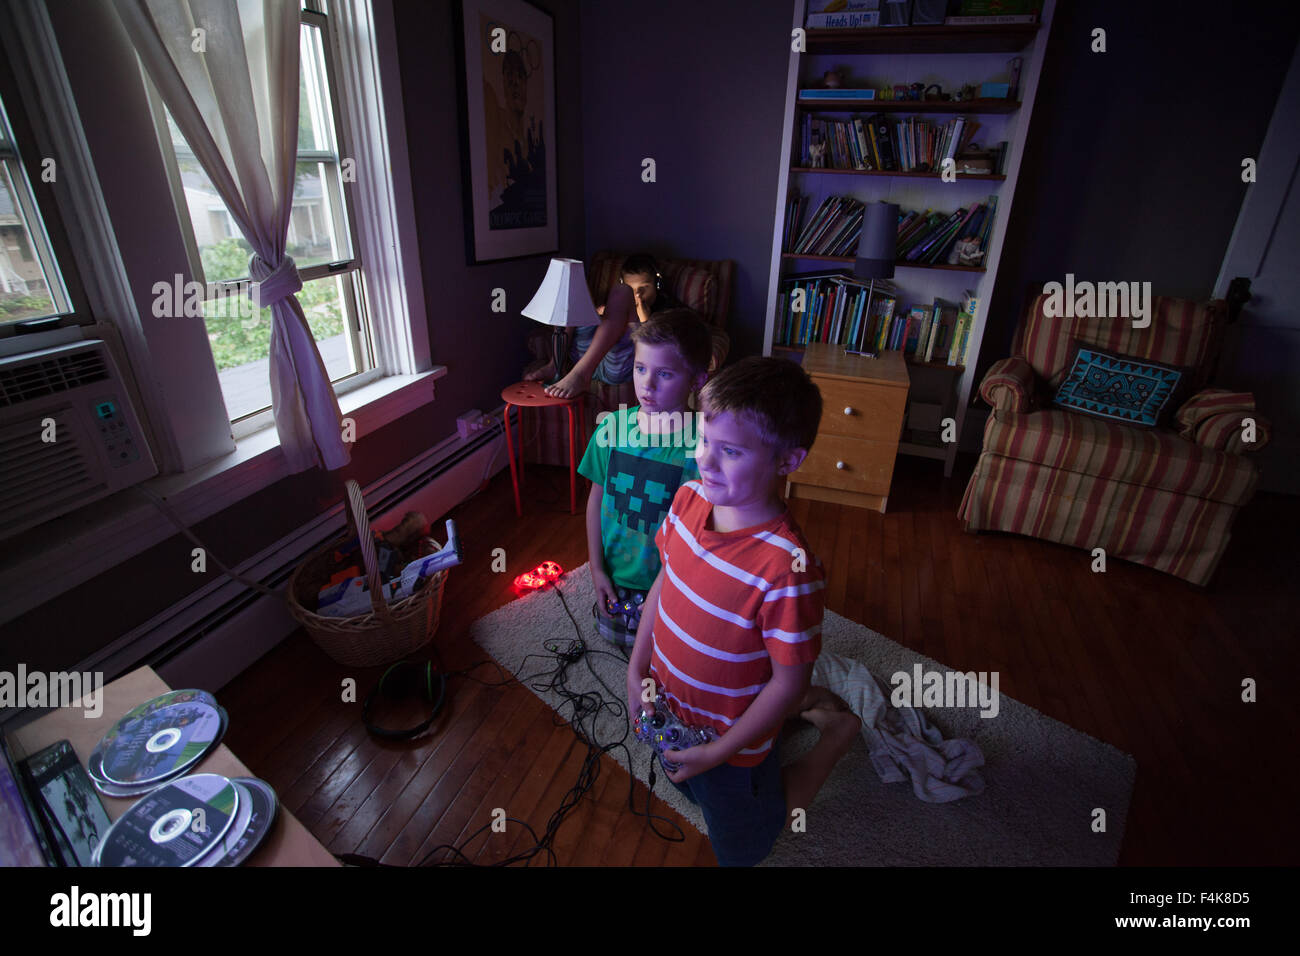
(532,395)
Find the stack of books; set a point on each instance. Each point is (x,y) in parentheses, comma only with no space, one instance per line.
(832,230)
(842,310)
(908,144)
(831,307)
(918,145)
(929,238)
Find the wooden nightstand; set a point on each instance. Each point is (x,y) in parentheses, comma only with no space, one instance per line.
(863,400)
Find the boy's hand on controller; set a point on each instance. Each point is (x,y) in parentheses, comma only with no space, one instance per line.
(692,761)
(605,591)
(634,702)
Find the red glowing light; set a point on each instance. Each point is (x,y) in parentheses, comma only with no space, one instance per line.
(548,572)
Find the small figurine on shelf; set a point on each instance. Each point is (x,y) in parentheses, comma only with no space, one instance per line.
(962,251)
(832,79)
(818,152)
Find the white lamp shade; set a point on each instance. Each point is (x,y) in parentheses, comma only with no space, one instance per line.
(563,298)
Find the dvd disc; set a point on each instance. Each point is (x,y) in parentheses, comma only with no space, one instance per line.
(237,827)
(264,812)
(160,744)
(96,771)
(257,811)
(133,719)
(176,825)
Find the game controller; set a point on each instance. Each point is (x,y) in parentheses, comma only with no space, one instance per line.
(665,732)
(629,609)
(548,572)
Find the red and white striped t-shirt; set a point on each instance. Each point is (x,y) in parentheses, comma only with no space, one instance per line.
(730,604)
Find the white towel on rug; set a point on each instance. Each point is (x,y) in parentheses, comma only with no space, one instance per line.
(900,740)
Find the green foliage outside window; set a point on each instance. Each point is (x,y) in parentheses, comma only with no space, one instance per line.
(238,341)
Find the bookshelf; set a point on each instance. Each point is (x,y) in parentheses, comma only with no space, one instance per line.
(951,56)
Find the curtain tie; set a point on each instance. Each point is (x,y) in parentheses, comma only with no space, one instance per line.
(272,285)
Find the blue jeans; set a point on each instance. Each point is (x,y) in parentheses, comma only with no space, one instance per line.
(616,367)
(744,808)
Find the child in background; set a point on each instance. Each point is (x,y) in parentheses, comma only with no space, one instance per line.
(638,458)
(732,625)
(604,351)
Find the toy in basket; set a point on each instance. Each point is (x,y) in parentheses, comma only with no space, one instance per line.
(351,596)
(396,616)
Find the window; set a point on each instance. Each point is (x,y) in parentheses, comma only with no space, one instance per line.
(31,285)
(321,239)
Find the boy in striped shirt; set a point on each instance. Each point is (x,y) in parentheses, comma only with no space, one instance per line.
(732,625)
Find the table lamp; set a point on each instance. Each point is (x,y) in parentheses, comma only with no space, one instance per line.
(877,247)
(562,302)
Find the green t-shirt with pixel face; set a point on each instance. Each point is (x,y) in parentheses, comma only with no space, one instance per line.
(639,475)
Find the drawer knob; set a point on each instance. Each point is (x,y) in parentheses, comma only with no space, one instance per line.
(848,410)
(840,465)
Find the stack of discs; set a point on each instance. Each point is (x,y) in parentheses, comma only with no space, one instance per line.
(204,819)
(158,741)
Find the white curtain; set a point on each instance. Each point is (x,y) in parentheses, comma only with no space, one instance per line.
(232,88)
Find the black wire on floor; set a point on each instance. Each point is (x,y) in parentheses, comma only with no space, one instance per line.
(583,709)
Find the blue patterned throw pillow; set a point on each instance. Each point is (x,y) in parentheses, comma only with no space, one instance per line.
(1120,387)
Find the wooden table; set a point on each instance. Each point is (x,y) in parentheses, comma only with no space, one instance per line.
(289,843)
(863,400)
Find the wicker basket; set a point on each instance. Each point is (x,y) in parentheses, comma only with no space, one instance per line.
(389,632)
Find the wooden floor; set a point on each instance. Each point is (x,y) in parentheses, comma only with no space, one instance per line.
(1133,657)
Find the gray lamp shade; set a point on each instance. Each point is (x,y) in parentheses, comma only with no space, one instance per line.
(563,298)
(878,243)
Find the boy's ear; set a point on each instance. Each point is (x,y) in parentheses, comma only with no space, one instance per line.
(791,460)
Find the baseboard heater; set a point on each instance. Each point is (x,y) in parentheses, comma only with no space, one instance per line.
(208,638)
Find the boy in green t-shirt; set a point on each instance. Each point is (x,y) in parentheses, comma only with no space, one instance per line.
(637,459)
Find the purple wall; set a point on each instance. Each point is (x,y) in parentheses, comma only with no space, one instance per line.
(699,88)
(483,350)
(1132,170)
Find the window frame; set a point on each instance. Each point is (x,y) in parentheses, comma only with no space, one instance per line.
(352,270)
(37,201)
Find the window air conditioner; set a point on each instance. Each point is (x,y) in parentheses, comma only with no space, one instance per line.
(68,434)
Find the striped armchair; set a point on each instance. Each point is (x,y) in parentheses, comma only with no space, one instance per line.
(1163,497)
(703,285)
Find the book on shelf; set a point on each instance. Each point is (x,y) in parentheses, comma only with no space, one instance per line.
(849,20)
(942,319)
(966,317)
(916,318)
(842,14)
(960,336)
(888,156)
(1006,19)
(795,209)
(838,93)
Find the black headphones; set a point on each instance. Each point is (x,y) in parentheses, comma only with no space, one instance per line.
(404,679)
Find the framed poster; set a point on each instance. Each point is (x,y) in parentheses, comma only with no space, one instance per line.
(508,153)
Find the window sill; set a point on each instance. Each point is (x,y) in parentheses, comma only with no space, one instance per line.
(78,546)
